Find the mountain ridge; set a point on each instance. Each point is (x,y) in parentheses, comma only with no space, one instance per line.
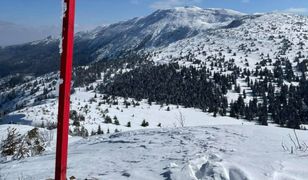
(154,33)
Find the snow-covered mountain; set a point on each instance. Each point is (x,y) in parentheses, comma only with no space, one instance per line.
(159,29)
(182,30)
(251,37)
(178,67)
(190,36)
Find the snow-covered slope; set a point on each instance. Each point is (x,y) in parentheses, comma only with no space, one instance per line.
(91,106)
(186,35)
(246,40)
(156,30)
(236,152)
(174,33)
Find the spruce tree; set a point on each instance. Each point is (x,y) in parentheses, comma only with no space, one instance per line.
(108,120)
(99,130)
(116,121)
(128,124)
(144,123)
(10,143)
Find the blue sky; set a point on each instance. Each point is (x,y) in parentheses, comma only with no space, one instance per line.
(91,13)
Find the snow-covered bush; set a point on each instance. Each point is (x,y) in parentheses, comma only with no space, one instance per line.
(79,131)
(144,123)
(9,145)
(17,146)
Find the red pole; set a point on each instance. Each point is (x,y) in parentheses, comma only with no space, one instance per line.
(65,88)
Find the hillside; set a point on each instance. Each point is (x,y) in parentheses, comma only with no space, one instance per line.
(222,62)
(159,29)
(183,93)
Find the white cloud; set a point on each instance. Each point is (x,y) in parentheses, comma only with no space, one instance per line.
(165,4)
(297,10)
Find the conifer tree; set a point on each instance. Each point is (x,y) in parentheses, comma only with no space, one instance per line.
(10,144)
(144,123)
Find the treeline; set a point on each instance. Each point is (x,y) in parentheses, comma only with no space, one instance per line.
(279,96)
(172,84)
(272,99)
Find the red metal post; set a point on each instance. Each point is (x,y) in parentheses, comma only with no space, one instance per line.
(65,88)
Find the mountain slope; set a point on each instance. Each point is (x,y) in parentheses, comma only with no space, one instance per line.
(250,37)
(156,30)
(234,50)
(227,55)
(159,29)
(180,30)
